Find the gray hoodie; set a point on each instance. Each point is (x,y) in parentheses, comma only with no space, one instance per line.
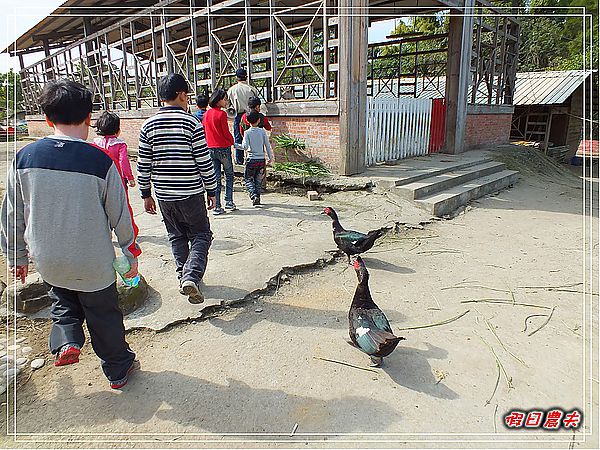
(63,199)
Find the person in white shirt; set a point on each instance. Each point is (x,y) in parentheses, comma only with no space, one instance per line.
(238,96)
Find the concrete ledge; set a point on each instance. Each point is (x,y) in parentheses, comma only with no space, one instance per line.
(303,108)
(291,108)
(490,109)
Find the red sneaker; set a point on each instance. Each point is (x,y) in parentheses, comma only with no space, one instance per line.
(118,384)
(68,354)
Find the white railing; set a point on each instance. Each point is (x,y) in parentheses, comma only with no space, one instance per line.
(397,128)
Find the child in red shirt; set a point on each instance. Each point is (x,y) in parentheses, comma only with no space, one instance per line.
(254,105)
(219,141)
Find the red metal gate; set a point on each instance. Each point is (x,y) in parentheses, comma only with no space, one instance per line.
(437,130)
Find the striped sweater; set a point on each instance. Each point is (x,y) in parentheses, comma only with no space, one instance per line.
(173,156)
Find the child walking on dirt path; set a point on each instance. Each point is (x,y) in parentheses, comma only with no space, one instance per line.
(256,144)
(219,141)
(108,126)
(173,158)
(67,196)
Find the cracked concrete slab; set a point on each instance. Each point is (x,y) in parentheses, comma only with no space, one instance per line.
(250,247)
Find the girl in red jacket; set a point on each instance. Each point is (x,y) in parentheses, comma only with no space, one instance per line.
(219,141)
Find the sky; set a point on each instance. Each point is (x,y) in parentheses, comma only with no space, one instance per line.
(19,19)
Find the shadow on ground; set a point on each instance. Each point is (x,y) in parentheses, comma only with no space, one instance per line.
(410,367)
(293,316)
(192,403)
(374,263)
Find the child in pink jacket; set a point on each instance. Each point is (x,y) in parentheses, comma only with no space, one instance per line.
(108,126)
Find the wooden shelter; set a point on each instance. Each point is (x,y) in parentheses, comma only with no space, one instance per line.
(550,108)
(308,58)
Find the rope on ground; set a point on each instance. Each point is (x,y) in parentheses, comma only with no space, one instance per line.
(443,322)
(545,322)
(345,364)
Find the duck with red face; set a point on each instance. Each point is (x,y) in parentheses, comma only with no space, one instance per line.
(369,328)
(349,241)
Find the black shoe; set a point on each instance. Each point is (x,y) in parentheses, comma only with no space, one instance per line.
(256,201)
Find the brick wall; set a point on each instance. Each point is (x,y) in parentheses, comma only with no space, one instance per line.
(482,130)
(38,128)
(130,129)
(321,134)
(130,132)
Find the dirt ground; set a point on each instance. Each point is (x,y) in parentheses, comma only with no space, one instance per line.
(258,375)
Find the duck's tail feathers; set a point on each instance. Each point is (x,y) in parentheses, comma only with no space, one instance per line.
(380,232)
(375,340)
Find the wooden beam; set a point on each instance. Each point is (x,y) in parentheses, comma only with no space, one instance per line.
(248,33)
(274,43)
(211,46)
(547,132)
(326,45)
(138,91)
(460,44)
(55,35)
(194,45)
(166,51)
(352,84)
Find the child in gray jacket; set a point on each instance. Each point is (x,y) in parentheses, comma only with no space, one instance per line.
(63,200)
(256,144)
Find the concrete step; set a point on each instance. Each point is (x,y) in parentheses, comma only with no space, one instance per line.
(415,169)
(442,203)
(444,166)
(443,181)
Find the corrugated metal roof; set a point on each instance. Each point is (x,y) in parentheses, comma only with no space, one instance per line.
(547,88)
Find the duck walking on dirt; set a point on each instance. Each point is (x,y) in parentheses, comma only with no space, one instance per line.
(369,329)
(349,241)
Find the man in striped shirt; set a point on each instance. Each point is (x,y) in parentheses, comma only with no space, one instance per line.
(173,157)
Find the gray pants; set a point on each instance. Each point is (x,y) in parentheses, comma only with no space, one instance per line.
(189,232)
(104,319)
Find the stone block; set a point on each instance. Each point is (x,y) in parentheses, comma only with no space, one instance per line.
(30,297)
(312,195)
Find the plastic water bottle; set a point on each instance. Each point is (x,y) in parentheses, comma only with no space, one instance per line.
(122,266)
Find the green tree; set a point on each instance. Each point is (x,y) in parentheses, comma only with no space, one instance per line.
(554,42)
(573,38)
(8,82)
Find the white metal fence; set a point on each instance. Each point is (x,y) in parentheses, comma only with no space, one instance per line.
(397,128)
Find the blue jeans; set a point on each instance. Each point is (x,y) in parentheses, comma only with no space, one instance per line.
(221,157)
(253,176)
(237,137)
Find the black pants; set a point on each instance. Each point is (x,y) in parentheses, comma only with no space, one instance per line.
(104,321)
(253,176)
(189,232)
